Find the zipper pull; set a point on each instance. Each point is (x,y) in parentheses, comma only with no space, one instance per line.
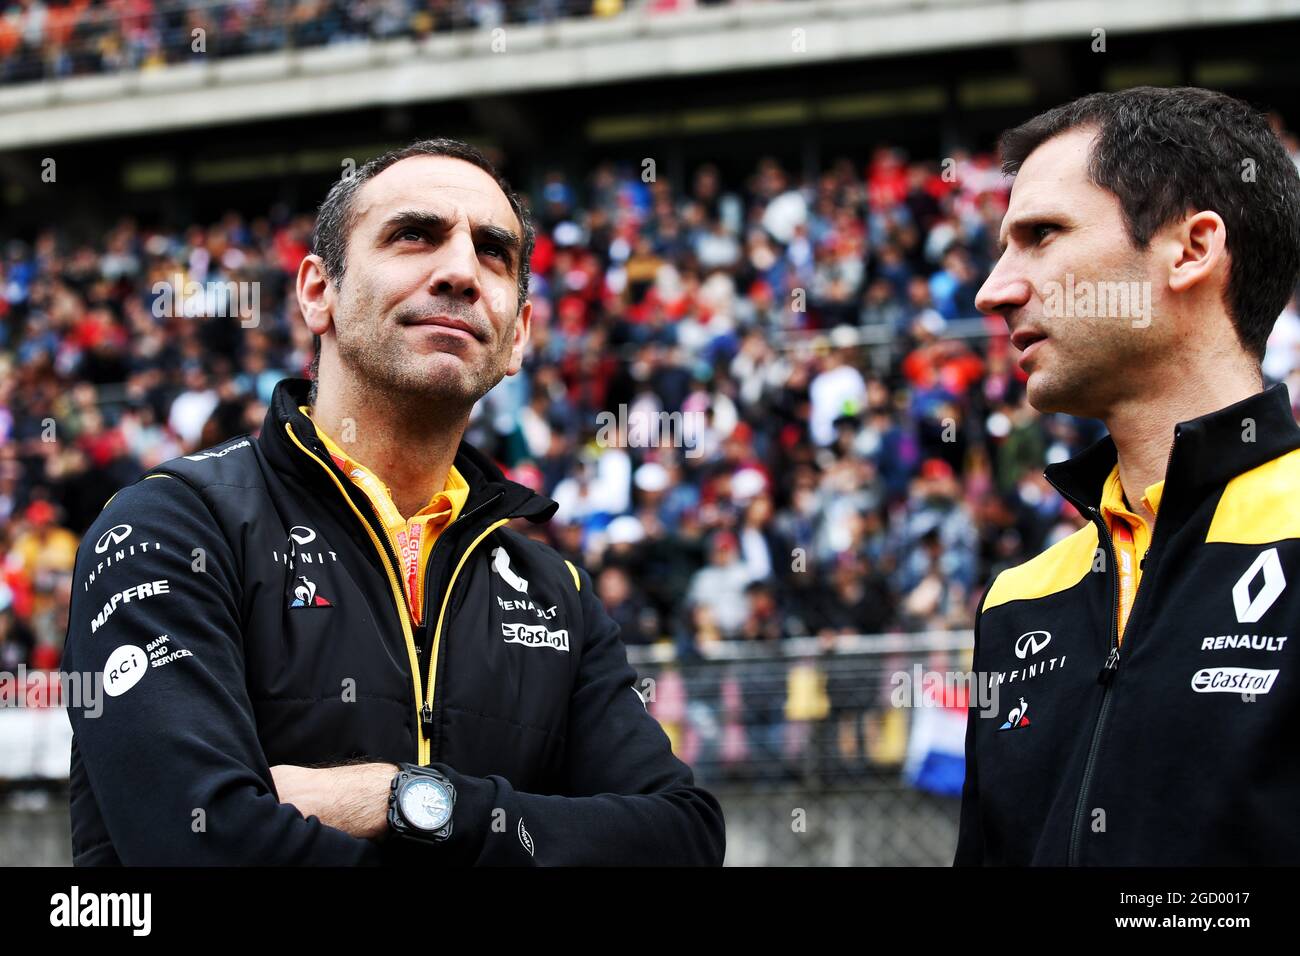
(1107,673)
(426,715)
(1142,565)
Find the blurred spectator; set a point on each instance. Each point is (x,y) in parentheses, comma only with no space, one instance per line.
(70,37)
(839,389)
(720,586)
(638,624)
(731,460)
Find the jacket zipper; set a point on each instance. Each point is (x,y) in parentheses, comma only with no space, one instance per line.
(1106,675)
(394,582)
(1104,678)
(426,708)
(426,712)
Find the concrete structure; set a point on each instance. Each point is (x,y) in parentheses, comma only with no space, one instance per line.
(569,54)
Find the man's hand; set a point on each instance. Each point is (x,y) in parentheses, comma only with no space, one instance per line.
(353,799)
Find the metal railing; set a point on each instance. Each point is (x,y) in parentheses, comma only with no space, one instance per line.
(806,712)
(814,749)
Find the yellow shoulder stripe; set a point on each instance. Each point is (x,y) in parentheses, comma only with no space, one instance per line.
(1258,506)
(1060,567)
(115,494)
(577,583)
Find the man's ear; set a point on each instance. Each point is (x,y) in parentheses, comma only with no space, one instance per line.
(316,298)
(523,328)
(1200,247)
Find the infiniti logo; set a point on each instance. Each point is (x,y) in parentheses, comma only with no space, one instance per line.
(114,535)
(302,534)
(1031,642)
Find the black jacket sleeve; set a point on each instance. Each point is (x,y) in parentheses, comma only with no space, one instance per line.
(628,800)
(970,835)
(170,747)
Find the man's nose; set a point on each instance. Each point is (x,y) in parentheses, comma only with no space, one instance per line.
(455,270)
(1004,291)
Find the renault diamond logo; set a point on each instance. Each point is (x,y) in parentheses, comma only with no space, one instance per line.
(1249,610)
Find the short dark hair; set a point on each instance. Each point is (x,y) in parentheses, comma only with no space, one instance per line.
(1165,152)
(337,214)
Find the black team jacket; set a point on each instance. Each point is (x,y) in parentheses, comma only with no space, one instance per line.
(243,607)
(1177,746)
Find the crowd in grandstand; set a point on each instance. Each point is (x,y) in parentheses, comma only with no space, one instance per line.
(828,486)
(45,39)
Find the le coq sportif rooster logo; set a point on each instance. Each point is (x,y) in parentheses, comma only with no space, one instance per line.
(304,594)
(1017,717)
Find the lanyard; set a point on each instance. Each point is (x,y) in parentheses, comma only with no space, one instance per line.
(1125,553)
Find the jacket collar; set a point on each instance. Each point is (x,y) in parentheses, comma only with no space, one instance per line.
(1207,452)
(487,484)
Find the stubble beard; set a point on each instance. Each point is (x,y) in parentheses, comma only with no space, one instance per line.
(1085,371)
(387,369)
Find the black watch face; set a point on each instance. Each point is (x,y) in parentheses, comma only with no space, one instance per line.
(425,804)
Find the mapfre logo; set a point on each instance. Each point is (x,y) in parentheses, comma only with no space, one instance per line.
(113,536)
(1031,642)
(1251,609)
(138,592)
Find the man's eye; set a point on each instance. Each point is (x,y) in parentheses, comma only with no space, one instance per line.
(415,234)
(499,251)
(1043,230)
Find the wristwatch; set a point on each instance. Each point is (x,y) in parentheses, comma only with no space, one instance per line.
(420,803)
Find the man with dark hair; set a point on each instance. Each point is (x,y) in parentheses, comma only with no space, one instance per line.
(325,644)
(1146,686)
(338,214)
